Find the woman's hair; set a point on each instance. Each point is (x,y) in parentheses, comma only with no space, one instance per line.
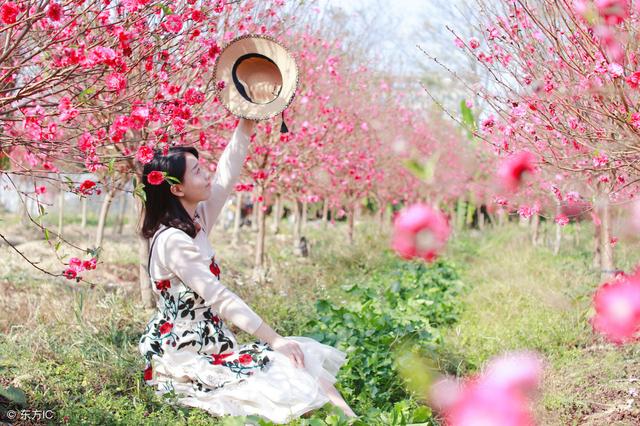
(161,206)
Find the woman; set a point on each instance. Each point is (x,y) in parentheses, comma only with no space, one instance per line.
(187,346)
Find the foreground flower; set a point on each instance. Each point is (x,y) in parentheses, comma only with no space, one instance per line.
(512,169)
(498,397)
(617,305)
(419,231)
(155,177)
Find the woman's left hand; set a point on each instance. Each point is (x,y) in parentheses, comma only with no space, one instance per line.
(291,349)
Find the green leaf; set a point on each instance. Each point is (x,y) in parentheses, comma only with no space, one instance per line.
(84,95)
(110,165)
(468,120)
(14,394)
(46,234)
(165,9)
(57,246)
(416,168)
(171,179)
(5,163)
(139,192)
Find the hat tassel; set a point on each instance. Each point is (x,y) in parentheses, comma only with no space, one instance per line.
(283,126)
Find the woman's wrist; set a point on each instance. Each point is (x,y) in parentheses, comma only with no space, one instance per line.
(266,334)
(247,126)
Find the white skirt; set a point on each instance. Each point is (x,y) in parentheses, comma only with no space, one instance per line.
(280,392)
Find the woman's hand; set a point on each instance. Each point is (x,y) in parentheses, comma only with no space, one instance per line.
(290,349)
(247,126)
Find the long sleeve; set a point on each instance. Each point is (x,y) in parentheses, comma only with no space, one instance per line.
(227,173)
(183,257)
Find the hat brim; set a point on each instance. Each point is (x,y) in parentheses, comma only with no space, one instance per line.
(231,98)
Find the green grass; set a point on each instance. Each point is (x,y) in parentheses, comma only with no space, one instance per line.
(75,351)
(521,296)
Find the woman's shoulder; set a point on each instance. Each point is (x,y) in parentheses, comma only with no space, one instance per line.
(166,234)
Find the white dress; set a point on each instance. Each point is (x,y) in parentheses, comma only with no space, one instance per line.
(187,346)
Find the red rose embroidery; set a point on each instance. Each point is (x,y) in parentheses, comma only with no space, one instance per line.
(148,373)
(219,358)
(216,319)
(166,328)
(245,359)
(215,269)
(163,285)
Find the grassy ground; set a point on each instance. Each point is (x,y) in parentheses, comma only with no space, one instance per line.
(74,349)
(524,297)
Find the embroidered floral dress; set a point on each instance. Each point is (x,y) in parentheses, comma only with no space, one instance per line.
(188,348)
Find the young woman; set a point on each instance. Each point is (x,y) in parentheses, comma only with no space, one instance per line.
(187,346)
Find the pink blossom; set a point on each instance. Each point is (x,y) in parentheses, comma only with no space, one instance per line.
(615,70)
(138,117)
(116,81)
(474,43)
(633,80)
(54,11)
(9,12)
(617,305)
(41,189)
(635,120)
(145,154)
(173,24)
(600,160)
(512,169)
(85,142)
(419,232)
(562,219)
(525,212)
(488,123)
(458,42)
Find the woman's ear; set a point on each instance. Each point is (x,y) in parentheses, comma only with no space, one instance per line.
(176,190)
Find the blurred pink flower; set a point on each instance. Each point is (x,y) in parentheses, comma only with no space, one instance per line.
(419,231)
(512,169)
(613,11)
(497,397)
(562,219)
(617,305)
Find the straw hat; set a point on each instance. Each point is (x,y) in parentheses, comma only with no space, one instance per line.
(260,77)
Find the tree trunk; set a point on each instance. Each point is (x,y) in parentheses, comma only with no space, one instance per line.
(297,223)
(535,229)
(460,214)
(305,208)
(259,250)
(60,210)
(351,219)
(254,216)
(104,211)
(606,249)
(597,255)
(123,215)
(237,220)
(480,218)
(277,212)
(556,243)
(83,223)
(325,213)
(144,281)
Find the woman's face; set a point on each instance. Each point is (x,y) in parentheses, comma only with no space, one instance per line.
(196,184)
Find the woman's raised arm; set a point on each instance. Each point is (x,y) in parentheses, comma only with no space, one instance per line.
(227,173)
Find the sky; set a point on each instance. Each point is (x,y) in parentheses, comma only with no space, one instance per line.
(398,26)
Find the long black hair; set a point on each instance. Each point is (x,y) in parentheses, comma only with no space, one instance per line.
(161,206)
